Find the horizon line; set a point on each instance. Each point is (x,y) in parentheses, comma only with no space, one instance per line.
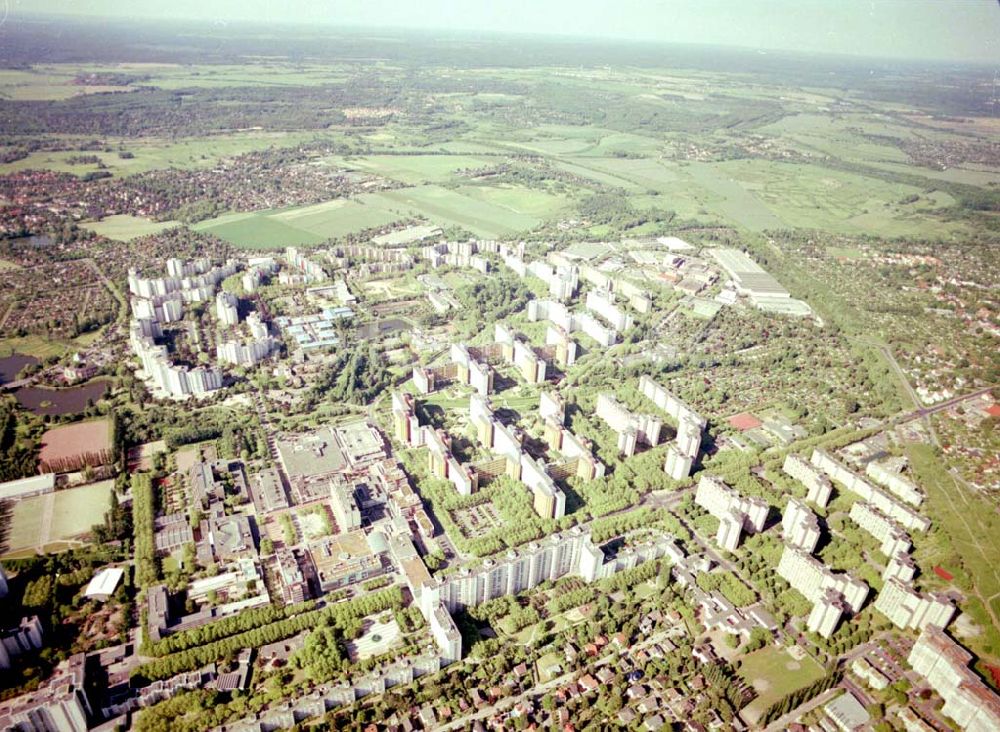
(502,33)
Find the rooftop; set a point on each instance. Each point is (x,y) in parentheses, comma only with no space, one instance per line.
(847,712)
(104,582)
(315,453)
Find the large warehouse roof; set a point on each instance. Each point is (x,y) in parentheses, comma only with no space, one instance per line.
(104,583)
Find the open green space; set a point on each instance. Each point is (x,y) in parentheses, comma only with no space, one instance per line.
(47,522)
(127,228)
(42,347)
(337,217)
(774,674)
(965,541)
(415,169)
(155,153)
(257,231)
(489,211)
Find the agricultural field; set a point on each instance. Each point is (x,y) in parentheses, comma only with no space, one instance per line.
(413,169)
(127,228)
(486,211)
(256,231)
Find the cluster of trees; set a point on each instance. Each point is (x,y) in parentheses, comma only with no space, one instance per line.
(410,619)
(38,593)
(795,699)
(606,528)
(341,614)
(573,598)
(628,578)
(852,633)
(208,428)
(489,301)
(759,637)
(614,210)
(246,443)
(322,656)
(239,623)
(521,617)
(117,524)
(729,585)
(357,376)
(143,516)
(493,611)
(288,531)
(17,455)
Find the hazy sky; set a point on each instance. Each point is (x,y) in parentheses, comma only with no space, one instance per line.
(966,30)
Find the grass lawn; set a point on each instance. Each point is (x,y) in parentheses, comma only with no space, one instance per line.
(48,521)
(78,509)
(549,660)
(39,346)
(775,674)
(443,400)
(127,228)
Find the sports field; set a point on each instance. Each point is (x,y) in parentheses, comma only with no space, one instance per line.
(774,674)
(56,520)
(71,444)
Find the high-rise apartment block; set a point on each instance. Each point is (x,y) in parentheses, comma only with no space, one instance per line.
(818,486)
(800,526)
(736,513)
(832,594)
(683,452)
(945,665)
(631,428)
(910,610)
(901,486)
(910,519)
